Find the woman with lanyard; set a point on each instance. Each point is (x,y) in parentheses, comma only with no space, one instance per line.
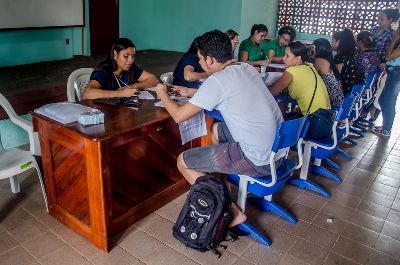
(388,98)
(118,75)
(250,50)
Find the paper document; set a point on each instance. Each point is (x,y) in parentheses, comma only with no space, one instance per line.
(151,89)
(64,112)
(272,77)
(146,95)
(276,65)
(193,128)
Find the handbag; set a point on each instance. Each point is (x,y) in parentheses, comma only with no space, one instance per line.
(321,120)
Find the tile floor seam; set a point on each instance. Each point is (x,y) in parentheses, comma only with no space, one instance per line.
(167,246)
(344,257)
(30,254)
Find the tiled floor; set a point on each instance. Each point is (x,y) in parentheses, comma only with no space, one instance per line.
(364,209)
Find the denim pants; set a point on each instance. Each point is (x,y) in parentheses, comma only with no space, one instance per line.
(388,98)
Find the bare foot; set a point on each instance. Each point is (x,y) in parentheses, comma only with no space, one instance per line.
(238,216)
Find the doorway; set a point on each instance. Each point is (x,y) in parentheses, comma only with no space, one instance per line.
(103,24)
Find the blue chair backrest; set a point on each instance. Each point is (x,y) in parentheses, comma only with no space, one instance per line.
(370,78)
(345,108)
(357,89)
(290,132)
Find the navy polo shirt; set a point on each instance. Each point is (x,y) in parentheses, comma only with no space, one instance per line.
(107,79)
(179,79)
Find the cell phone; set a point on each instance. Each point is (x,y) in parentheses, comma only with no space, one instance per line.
(170,90)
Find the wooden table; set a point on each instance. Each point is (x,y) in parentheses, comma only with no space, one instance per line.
(102,178)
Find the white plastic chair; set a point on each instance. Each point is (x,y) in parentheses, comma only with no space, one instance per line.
(15,161)
(77,82)
(167,78)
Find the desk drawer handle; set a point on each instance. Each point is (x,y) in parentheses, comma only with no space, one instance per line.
(159,129)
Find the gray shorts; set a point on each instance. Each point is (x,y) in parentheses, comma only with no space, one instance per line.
(225,157)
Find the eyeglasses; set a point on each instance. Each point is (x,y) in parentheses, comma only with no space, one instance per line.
(284,39)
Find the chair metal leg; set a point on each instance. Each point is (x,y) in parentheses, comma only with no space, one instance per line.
(332,164)
(242,192)
(309,185)
(319,170)
(356,132)
(41,184)
(271,206)
(14,182)
(349,140)
(253,232)
(343,153)
(306,161)
(359,127)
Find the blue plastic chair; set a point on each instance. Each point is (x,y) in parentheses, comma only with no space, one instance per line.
(323,149)
(290,133)
(365,99)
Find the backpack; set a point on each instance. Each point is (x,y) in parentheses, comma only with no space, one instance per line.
(204,220)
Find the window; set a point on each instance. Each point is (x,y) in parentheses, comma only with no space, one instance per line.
(329,16)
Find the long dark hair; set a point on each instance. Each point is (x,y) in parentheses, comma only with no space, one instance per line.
(121,44)
(110,64)
(347,43)
(323,49)
(299,49)
(192,50)
(366,39)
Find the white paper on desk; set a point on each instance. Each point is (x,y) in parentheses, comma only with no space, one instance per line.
(276,65)
(146,95)
(151,89)
(193,128)
(272,77)
(64,112)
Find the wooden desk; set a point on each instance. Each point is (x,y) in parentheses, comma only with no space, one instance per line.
(102,178)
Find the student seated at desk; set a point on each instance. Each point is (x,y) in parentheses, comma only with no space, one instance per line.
(188,72)
(250,50)
(276,48)
(118,75)
(234,37)
(321,51)
(242,144)
(302,79)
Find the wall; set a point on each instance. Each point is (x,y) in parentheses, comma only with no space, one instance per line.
(172,25)
(30,46)
(258,12)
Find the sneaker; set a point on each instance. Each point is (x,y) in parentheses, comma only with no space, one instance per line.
(380,131)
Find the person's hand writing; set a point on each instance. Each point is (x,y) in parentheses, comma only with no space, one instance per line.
(126,91)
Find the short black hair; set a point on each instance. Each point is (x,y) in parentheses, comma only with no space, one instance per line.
(288,30)
(392,13)
(259,28)
(215,44)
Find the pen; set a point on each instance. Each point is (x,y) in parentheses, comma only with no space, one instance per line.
(125,84)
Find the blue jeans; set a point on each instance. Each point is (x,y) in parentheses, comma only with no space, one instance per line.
(388,98)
